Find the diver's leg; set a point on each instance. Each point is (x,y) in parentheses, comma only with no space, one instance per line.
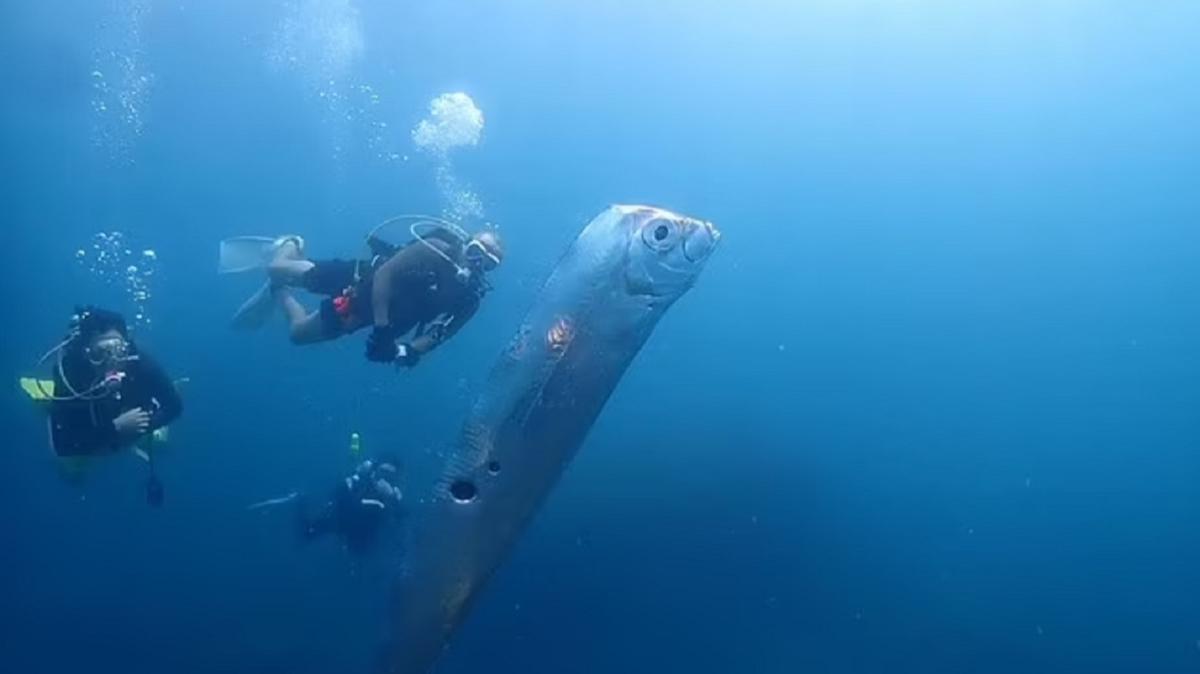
(287,268)
(305,327)
(289,265)
(255,311)
(272,502)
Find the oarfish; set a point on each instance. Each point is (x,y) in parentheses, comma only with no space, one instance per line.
(594,313)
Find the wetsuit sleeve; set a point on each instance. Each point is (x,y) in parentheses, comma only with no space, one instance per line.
(388,280)
(439,333)
(160,387)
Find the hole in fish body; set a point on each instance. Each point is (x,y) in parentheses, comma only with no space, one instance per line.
(463,491)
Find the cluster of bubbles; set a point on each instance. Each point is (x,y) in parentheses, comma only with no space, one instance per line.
(454,122)
(459,202)
(120,80)
(115,262)
(321,42)
(378,133)
(357,110)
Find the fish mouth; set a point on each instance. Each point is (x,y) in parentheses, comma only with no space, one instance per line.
(644,289)
(701,241)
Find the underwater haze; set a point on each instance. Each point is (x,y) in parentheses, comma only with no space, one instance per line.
(933,407)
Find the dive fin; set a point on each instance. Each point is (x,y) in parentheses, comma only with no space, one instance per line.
(250,253)
(272,502)
(38,390)
(257,310)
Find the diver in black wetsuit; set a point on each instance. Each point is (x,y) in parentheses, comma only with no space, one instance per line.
(357,510)
(430,287)
(108,394)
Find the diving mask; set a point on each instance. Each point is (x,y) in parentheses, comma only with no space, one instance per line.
(479,255)
(110,352)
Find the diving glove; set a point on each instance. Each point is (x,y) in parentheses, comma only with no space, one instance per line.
(382,346)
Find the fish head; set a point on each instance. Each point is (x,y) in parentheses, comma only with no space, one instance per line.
(666,251)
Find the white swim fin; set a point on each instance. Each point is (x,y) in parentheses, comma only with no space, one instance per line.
(271,502)
(256,311)
(249,253)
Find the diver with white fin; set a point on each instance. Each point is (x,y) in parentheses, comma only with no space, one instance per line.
(429,287)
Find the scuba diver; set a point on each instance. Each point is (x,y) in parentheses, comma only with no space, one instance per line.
(356,510)
(106,394)
(429,287)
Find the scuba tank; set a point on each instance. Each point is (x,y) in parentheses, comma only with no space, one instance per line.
(424,230)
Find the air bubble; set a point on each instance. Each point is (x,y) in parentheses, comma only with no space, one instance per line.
(116,108)
(454,121)
(115,263)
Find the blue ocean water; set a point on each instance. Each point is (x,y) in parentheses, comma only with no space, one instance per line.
(932,407)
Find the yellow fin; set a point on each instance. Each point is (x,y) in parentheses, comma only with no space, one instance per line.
(38,390)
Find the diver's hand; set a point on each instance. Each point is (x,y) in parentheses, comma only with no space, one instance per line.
(132,422)
(406,356)
(381,346)
(385,489)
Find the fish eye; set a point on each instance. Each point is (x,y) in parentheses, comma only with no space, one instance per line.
(660,235)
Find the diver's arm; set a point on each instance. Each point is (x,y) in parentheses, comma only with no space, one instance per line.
(381,345)
(440,332)
(162,389)
(381,290)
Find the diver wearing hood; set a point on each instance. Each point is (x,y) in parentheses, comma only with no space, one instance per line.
(107,393)
(429,287)
(358,510)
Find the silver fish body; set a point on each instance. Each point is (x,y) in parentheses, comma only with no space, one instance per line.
(593,315)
